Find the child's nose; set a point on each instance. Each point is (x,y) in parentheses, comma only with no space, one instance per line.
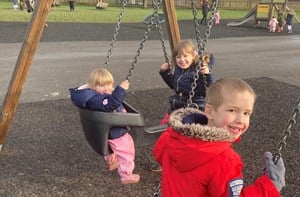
(240,118)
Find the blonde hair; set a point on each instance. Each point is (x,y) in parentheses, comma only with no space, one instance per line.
(100,77)
(214,95)
(185,46)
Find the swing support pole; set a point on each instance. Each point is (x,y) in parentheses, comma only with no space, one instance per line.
(22,67)
(172,24)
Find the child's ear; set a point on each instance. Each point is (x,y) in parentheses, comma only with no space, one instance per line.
(208,110)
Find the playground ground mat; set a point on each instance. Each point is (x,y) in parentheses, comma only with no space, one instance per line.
(47,155)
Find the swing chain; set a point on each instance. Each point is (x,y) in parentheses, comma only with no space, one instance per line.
(156,6)
(209,25)
(117,28)
(197,25)
(201,47)
(157,190)
(291,123)
(161,35)
(202,44)
(162,38)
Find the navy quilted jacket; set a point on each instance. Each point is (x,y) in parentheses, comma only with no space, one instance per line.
(89,99)
(181,81)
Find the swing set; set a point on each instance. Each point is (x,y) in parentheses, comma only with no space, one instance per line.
(88,118)
(96,124)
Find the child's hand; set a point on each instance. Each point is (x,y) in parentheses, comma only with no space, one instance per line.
(276,172)
(125,85)
(204,69)
(165,66)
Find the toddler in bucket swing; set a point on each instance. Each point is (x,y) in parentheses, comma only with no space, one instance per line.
(196,151)
(99,94)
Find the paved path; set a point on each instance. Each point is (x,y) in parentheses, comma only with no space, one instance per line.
(60,65)
(68,51)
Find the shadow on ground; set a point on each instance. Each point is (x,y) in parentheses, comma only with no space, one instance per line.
(46,153)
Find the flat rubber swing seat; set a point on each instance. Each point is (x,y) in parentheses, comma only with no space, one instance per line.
(156,129)
(96,125)
(147,19)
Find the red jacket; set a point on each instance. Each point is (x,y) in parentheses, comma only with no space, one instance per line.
(198,160)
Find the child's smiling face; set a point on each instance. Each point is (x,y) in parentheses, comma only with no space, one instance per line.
(234,112)
(184,59)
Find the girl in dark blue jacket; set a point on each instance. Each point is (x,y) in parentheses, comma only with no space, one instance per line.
(182,78)
(99,94)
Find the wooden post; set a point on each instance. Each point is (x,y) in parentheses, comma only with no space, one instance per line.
(22,67)
(145,4)
(271,10)
(172,23)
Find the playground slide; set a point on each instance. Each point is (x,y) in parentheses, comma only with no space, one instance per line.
(248,17)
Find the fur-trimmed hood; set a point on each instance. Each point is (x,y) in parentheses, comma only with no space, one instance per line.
(191,145)
(192,123)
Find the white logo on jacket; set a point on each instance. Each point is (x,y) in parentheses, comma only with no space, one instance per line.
(235,187)
(105,102)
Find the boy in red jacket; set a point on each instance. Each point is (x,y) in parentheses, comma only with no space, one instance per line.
(196,151)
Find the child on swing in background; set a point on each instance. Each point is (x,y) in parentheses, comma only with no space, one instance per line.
(180,80)
(196,151)
(99,94)
(185,58)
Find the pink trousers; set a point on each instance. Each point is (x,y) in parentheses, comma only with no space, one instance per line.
(124,151)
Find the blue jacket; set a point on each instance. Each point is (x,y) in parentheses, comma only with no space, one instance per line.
(90,99)
(289,19)
(181,81)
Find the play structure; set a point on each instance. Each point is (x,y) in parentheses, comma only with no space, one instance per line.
(263,11)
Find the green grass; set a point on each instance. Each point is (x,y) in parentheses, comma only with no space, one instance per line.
(89,14)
